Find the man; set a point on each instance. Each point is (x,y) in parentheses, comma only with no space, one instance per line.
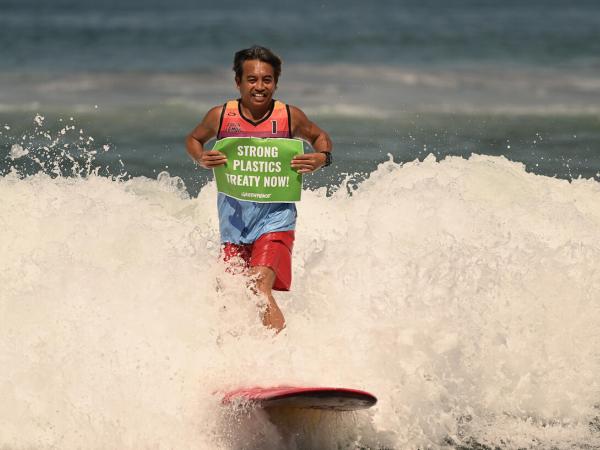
(260,233)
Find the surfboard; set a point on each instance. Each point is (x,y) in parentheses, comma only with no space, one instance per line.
(337,399)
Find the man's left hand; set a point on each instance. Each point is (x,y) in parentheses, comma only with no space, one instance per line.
(308,162)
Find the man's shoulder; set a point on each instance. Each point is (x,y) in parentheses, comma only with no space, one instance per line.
(214,113)
(217,108)
(297,115)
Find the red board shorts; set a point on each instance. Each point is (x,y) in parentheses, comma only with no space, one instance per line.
(273,250)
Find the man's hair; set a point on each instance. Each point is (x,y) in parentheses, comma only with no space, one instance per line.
(256,52)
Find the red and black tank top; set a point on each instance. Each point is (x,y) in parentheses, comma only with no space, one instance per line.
(276,124)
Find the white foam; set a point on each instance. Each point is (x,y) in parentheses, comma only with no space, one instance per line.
(463,293)
(17,151)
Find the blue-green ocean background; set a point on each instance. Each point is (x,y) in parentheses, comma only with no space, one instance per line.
(406,78)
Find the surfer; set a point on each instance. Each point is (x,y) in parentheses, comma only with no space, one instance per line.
(262,234)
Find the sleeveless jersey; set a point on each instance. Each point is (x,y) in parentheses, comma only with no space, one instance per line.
(243,222)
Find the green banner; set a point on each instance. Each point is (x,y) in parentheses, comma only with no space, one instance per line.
(258,170)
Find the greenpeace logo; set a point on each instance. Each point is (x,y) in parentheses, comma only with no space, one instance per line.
(255,195)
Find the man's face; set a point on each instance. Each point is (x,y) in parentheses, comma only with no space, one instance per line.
(257,84)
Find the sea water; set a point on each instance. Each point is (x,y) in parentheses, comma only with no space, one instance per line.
(448,260)
(403,77)
(462,292)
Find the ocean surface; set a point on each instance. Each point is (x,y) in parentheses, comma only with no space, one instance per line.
(448,261)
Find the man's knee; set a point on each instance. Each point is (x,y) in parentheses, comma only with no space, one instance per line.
(264,278)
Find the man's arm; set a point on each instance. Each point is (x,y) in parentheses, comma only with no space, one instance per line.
(206,130)
(303,128)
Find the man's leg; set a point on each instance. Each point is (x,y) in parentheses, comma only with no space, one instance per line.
(272,317)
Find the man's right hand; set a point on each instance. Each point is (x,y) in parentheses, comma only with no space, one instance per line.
(212,158)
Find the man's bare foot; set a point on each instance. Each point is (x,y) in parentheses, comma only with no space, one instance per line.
(263,279)
(272,318)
